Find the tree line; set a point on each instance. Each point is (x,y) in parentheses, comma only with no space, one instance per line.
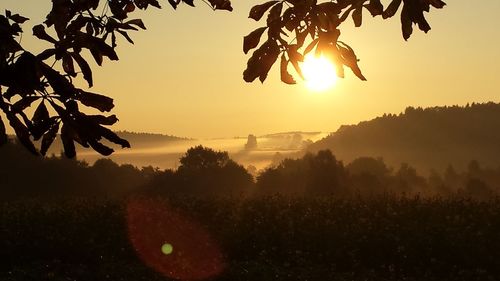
(205,172)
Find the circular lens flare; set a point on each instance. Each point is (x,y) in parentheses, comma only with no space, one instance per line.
(319,73)
(154,230)
(167,249)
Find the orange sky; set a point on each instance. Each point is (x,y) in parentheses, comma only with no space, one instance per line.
(184,74)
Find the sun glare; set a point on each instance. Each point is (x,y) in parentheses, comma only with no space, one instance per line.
(319,73)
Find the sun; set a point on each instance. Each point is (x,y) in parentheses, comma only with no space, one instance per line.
(319,73)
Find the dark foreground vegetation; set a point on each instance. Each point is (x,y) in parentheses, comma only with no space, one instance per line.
(270,238)
(312,218)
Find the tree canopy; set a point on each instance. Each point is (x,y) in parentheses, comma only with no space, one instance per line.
(75,28)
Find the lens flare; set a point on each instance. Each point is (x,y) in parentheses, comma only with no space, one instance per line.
(170,242)
(167,249)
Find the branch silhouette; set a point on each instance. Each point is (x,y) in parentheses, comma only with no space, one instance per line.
(77,28)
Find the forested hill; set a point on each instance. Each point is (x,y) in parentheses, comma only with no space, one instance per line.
(426,138)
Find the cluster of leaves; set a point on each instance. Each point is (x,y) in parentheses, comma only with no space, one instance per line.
(299,19)
(45,81)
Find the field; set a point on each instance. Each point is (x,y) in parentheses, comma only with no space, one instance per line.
(272,238)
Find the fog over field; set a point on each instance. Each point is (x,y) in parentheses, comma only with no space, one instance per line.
(151,150)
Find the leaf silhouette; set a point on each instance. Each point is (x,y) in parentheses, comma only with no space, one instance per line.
(406,22)
(137,22)
(261,61)
(41,113)
(101,148)
(357,16)
(258,11)
(285,75)
(68,141)
(84,67)
(3,135)
(40,33)
(221,5)
(104,120)
(252,40)
(48,138)
(22,132)
(103,103)
(23,103)
(350,59)
(391,10)
(68,66)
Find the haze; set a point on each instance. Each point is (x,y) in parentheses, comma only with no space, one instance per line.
(184,74)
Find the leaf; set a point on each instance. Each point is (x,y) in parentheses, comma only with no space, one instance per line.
(101,148)
(67,63)
(41,113)
(125,35)
(174,3)
(23,103)
(103,120)
(406,23)
(137,22)
(58,82)
(103,103)
(84,67)
(258,11)
(40,33)
(252,40)
(375,7)
(68,141)
(350,59)
(3,134)
(18,18)
(38,129)
(189,2)
(311,46)
(285,75)
(261,61)
(273,19)
(46,54)
(113,137)
(391,9)
(48,138)
(22,132)
(221,5)
(97,56)
(357,17)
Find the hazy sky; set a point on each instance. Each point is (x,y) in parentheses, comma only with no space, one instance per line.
(184,74)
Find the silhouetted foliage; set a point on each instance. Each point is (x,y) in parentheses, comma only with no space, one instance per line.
(59,177)
(46,80)
(205,172)
(289,24)
(72,28)
(271,238)
(319,174)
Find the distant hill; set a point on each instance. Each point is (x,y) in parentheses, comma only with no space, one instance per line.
(425,138)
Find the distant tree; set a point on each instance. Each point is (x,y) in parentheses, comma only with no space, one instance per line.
(73,27)
(368,165)
(204,171)
(199,158)
(478,189)
(318,174)
(408,180)
(369,175)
